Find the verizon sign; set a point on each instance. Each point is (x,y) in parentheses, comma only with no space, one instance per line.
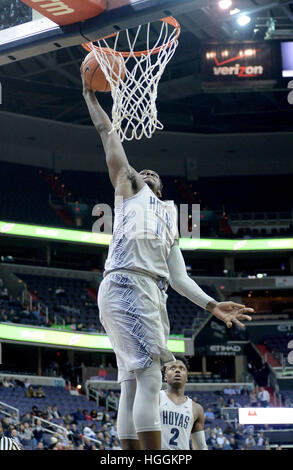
(238,62)
(265,415)
(241,71)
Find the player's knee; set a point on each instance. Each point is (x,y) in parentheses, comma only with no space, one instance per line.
(156,381)
(125,425)
(150,379)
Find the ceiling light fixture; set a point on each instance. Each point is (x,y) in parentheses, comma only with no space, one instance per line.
(244,20)
(225,4)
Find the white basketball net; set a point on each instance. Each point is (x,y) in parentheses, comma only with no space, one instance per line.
(134,111)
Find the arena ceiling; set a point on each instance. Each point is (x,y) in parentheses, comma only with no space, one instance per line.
(49,85)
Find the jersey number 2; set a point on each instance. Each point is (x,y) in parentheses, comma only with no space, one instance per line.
(173,440)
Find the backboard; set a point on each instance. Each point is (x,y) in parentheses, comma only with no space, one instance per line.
(24,32)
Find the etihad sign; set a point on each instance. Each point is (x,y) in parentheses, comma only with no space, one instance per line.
(225,348)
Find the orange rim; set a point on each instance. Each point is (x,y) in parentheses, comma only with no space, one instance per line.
(170,20)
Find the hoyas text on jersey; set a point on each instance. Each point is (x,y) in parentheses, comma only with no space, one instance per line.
(175,419)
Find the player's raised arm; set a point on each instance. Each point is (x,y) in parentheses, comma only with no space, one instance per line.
(228,312)
(116,159)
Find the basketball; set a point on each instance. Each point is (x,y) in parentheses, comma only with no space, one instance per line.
(94,76)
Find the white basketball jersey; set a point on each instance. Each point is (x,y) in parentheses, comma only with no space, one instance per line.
(176,423)
(145,229)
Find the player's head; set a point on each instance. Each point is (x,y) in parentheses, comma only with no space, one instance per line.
(153,180)
(176,374)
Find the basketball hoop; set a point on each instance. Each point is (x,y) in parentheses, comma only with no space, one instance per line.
(134,111)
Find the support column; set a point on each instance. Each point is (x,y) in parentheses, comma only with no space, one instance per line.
(229,264)
(70,354)
(48,255)
(291,264)
(240,368)
(204,364)
(71,358)
(39,361)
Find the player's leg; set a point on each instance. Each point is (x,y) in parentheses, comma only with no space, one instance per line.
(125,425)
(110,294)
(146,411)
(133,323)
(130,444)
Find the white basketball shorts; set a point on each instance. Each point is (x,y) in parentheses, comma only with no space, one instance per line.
(134,315)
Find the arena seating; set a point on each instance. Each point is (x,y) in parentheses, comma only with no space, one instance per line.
(30,202)
(59,396)
(78,304)
(258,198)
(10,304)
(287,398)
(75,302)
(69,404)
(66,403)
(278,343)
(182,312)
(93,186)
(33,206)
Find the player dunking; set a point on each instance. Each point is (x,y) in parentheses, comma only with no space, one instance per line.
(181,418)
(143,259)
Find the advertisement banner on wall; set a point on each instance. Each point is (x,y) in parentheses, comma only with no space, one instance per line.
(284,282)
(287,59)
(69,340)
(239,63)
(265,415)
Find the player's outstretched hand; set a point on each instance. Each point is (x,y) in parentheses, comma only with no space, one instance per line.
(230,312)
